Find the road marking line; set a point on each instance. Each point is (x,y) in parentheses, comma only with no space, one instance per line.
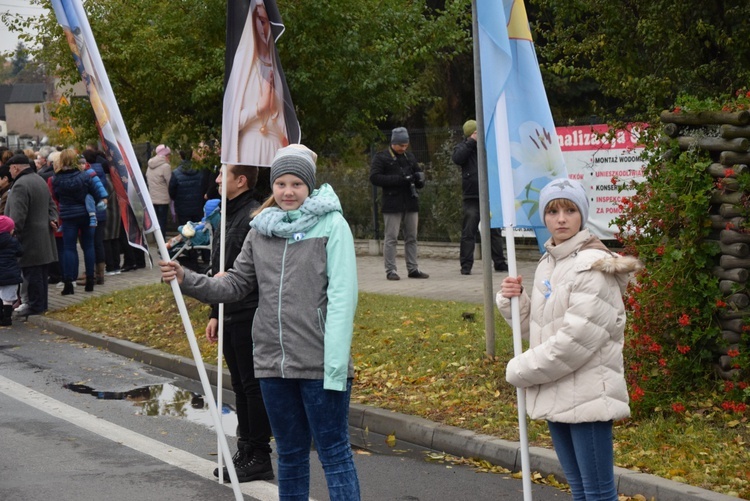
(260,490)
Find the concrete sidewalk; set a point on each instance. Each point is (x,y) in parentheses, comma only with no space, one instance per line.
(445,283)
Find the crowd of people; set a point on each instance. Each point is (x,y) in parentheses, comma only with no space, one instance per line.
(59,200)
(84,212)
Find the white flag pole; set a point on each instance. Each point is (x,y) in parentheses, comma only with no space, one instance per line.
(195,349)
(118,124)
(509,210)
(220,348)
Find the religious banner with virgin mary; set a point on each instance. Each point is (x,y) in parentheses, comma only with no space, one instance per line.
(259,116)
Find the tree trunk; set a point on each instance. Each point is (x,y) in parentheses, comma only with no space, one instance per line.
(726,198)
(672,130)
(718,222)
(706,118)
(728,287)
(731,336)
(733,131)
(729,262)
(733,237)
(734,325)
(719,170)
(739,300)
(732,157)
(739,145)
(736,250)
(738,275)
(730,210)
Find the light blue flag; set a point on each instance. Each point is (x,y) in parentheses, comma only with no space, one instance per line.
(523,152)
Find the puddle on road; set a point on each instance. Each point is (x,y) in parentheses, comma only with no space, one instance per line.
(166,400)
(169,400)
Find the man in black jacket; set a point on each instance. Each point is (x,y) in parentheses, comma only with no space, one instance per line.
(465,156)
(396,171)
(253,458)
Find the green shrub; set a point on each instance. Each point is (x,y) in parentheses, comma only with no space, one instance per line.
(673,334)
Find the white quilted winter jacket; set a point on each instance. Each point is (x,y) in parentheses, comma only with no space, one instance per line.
(574,322)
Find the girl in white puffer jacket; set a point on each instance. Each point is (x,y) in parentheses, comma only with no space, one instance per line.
(575,322)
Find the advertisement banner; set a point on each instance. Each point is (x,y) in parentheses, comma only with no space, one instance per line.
(595,159)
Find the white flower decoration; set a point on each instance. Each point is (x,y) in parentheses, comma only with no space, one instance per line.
(539,154)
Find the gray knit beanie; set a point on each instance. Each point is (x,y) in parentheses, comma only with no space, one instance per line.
(295,159)
(569,189)
(400,135)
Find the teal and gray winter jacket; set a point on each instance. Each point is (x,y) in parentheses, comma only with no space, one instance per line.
(303,264)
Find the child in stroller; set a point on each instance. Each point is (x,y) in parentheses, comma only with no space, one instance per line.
(196,236)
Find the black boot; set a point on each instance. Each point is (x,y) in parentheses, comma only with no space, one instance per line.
(90,281)
(257,466)
(243,448)
(6,316)
(68,289)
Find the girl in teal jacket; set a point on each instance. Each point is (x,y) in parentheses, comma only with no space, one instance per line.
(299,255)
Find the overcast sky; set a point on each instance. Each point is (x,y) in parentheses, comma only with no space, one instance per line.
(8,40)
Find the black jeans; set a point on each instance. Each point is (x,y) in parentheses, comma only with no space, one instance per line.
(469,236)
(112,254)
(55,268)
(99,242)
(37,277)
(252,420)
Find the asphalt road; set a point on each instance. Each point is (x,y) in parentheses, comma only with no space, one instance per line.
(80,423)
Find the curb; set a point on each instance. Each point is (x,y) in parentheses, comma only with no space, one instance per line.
(411,429)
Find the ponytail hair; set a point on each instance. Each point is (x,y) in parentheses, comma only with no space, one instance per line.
(270,202)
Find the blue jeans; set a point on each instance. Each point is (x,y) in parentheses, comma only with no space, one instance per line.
(587,458)
(300,410)
(71,228)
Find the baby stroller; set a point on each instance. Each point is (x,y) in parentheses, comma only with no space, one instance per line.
(196,237)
